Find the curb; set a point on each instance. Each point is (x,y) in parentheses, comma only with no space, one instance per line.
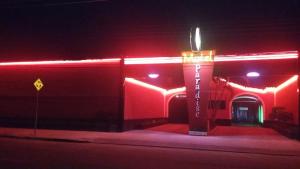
(216,148)
(45,139)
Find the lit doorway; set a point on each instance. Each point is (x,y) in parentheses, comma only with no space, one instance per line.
(247,110)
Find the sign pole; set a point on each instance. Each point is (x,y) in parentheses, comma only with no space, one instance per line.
(36,113)
(38,84)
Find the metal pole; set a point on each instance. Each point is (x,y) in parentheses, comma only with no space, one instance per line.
(36,113)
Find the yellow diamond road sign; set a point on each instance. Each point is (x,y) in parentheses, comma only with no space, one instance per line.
(38,84)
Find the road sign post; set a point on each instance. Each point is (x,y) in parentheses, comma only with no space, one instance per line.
(38,84)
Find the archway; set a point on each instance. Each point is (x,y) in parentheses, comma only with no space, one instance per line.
(247,109)
(177,109)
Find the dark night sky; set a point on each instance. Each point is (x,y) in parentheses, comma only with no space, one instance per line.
(42,30)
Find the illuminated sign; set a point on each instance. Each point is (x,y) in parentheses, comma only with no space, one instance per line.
(197,70)
(198,56)
(197,88)
(195,59)
(38,84)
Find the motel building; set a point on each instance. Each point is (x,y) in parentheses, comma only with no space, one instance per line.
(201,89)
(198,88)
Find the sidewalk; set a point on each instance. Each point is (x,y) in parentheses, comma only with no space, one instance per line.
(231,139)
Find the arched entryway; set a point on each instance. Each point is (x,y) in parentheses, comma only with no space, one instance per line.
(247,109)
(178,111)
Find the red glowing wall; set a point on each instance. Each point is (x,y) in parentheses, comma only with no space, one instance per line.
(83,94)
(288,99)
(143,103)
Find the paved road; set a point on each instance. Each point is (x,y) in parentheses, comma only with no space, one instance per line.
(34,154)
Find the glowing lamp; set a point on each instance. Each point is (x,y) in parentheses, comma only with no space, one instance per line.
(198,39)
(153,75)
(253,74)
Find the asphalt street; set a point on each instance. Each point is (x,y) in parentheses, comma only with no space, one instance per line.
(37,154)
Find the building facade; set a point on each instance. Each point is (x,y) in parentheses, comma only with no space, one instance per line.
(135,92)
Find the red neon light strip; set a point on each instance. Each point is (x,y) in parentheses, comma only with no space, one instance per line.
(152,87)
(256,57)
(286,83)
(164,60)
(146,85)
(152,60)
(235,85)
(252,89)
(176,90)
(60,62)
(220,58)
(265,90)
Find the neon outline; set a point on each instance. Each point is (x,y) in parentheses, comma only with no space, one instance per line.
(286,83)
(159,89)
(164,60)
(235,85)
(60,62)
(220,58)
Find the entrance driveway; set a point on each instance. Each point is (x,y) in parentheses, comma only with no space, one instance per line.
(252,139)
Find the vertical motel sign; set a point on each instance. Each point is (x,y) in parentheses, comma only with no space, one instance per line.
(197,70)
